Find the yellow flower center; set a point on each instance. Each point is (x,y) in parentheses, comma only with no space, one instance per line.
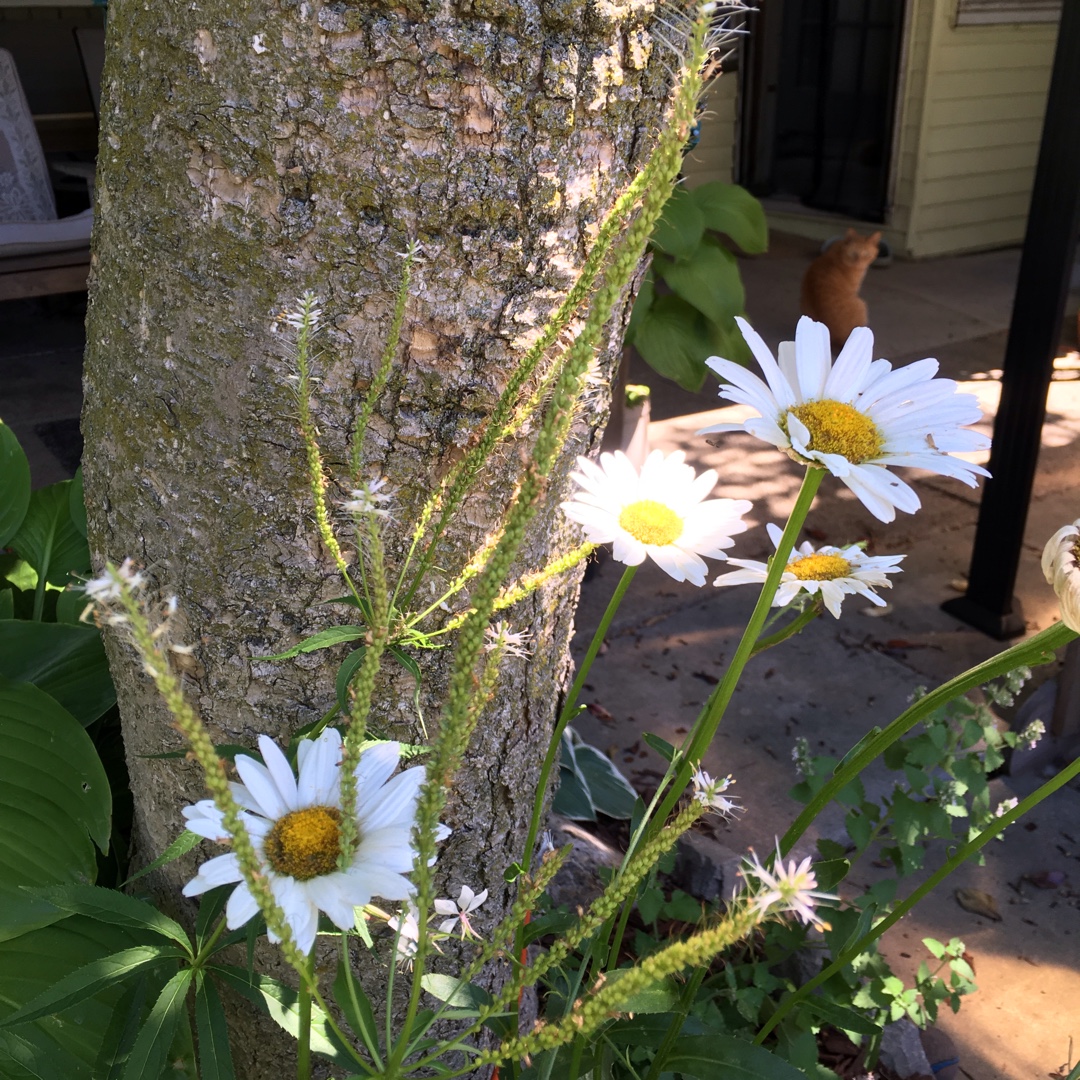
(651,522)
(819,567)
(304,844)
(838,428)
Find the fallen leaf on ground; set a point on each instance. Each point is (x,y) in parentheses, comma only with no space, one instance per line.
(978,903)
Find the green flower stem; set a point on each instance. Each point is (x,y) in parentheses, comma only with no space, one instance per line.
(701,735)
(382,374)
(802,620)
(935,879)
(1037,650)
(303,1050)
(569,711)
(309,433)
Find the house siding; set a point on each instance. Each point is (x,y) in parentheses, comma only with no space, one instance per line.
(968,181)
(714,156)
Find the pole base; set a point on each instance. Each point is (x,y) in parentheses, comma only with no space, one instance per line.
(998,625)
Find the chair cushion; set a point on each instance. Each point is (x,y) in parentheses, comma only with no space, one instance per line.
(35,237)
(25,191)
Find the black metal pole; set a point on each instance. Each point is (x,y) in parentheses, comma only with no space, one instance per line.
(1041,289)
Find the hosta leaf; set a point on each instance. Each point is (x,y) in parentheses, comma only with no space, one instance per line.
(55,802)
(67,662)
(14,484)
(48,539)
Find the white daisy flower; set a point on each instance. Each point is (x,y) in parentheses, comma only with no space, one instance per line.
(459,911)
(1059,564)
(831,572)
(856,417)
(792,888)
(661,512)
(710,792)
(293,823)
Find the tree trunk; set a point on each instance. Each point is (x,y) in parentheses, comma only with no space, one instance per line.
(250,152)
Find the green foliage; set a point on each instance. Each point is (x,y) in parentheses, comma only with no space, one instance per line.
(55,803)
(676,330)
(589,784)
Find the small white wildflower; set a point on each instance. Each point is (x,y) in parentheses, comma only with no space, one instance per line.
(110,584)
(710,792)
(792,888)
(800,754)
(1002,809)
(547,843)
(459,911)
(406,925)
(1032,733)
(500,636)
(308,315)
(367,499)
(257,43)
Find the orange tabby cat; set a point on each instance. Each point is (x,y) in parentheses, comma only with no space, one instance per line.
(830,286)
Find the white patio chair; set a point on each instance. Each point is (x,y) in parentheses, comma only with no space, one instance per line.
(39,252)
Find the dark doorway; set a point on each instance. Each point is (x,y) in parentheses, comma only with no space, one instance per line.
(820,102)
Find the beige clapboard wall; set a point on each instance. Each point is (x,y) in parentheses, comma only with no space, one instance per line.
(972,100)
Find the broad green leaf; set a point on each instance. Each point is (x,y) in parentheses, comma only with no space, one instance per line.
(67,662)
(281,1004)
(7,603)
(147,1058)
(70,604)
(571,797)
(454,992)
(55,803)
(117,908)
(354,1004)
(650,1030)
(345,674)
(723,1057)
(215,1054)
(14,484)
(642,303)
(325,639)
(730,209)
(709,281)
(681,226)
(841,1017)
(48,539)
(86,981)
(662,997)
(609,791)
(77,503)
(674,340)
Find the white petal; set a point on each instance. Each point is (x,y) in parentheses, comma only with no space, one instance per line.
(221,870)
(377,763)
(393,804)
(279,770)
(241,907)
(262,788)
(320,769)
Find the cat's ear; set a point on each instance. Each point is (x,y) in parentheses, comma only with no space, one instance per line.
(875,238)
(851,234)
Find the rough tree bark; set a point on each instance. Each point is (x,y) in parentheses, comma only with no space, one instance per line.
(251,151)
